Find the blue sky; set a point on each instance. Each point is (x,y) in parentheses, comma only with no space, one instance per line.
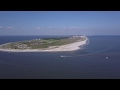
(59,22)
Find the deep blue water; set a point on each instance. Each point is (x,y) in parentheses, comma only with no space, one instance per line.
(88,63)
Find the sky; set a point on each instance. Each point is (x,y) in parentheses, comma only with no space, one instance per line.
(59,22)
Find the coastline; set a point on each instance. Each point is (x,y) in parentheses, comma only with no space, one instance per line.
(67,47)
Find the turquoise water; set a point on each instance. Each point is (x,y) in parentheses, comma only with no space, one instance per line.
(88,63)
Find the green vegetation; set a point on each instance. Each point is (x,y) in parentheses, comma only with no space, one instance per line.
(41,43)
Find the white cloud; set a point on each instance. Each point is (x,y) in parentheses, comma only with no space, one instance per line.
(50,27)
(1,26)
(23,28)
(64,27)
(53,27)
(38,28)
(9,27)
(75,28)
(72,27)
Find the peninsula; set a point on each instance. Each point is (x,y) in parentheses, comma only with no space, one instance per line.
(46,44)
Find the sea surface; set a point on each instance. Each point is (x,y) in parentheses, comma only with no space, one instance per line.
(98,59)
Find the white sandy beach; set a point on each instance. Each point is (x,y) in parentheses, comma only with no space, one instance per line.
(68,47)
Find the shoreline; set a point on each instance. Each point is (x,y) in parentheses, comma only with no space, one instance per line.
(67,47)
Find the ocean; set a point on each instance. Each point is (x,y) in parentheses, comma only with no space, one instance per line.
(98,59)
